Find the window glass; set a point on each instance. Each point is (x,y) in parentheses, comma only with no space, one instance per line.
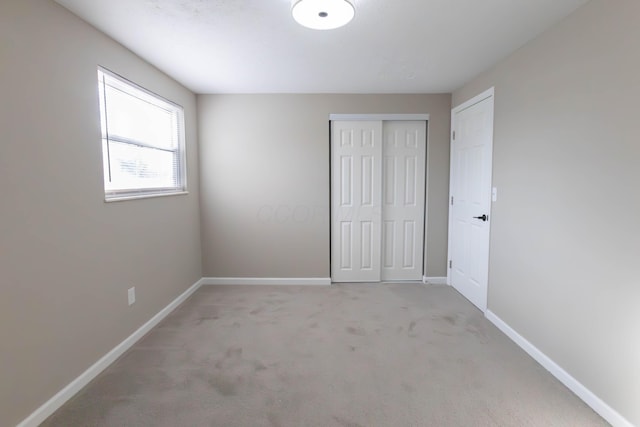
(142,140)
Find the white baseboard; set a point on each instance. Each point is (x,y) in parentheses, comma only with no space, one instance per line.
(50,406)
(597,404)
(435,280)
(265,281)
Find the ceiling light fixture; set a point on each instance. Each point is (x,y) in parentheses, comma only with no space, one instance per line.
(322,14)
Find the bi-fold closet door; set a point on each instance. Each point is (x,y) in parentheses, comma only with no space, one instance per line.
(377,198)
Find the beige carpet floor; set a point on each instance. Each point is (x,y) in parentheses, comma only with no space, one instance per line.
(356,355)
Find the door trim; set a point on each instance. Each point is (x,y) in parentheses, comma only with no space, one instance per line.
(473,101)
(489,93)
(379,117)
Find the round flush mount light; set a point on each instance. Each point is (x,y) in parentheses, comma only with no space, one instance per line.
(322,14)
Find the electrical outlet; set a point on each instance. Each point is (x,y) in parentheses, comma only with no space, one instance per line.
(131,294)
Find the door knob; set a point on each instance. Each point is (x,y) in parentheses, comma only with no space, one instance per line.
(483,217)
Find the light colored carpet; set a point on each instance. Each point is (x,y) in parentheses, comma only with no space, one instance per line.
(356,355)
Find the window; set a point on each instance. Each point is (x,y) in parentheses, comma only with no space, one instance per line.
(142,140)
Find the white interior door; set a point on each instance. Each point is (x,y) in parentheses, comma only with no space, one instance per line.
(403,188)
(356,201)
(372,161)
(470,192)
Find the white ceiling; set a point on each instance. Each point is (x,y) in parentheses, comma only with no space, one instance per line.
(254,46)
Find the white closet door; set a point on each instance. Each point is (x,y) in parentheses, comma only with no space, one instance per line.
(403,193)
(356,182)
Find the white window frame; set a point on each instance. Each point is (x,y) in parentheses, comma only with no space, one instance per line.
(133,89)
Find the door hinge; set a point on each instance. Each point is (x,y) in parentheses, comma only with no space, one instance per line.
(454,135)
(451,200)
(450,263)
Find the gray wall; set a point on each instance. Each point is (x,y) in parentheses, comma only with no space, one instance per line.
(564,268)
(264,162)
(66,257)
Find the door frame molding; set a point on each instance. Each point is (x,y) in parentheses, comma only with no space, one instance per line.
(333,117)
(489,93)
(471,102)
(379,117)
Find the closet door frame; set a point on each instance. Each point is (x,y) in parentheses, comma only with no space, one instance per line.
(381,118)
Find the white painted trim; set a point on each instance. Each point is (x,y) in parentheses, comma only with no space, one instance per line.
(390,282)
(597,404)
(378,117)
(144,196)
(435,280)
(473,101)
(50,406)
(323,281)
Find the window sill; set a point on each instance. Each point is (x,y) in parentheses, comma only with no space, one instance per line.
(143,196)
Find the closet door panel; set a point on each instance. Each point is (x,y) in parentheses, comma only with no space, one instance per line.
(404,199)
(356,199)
